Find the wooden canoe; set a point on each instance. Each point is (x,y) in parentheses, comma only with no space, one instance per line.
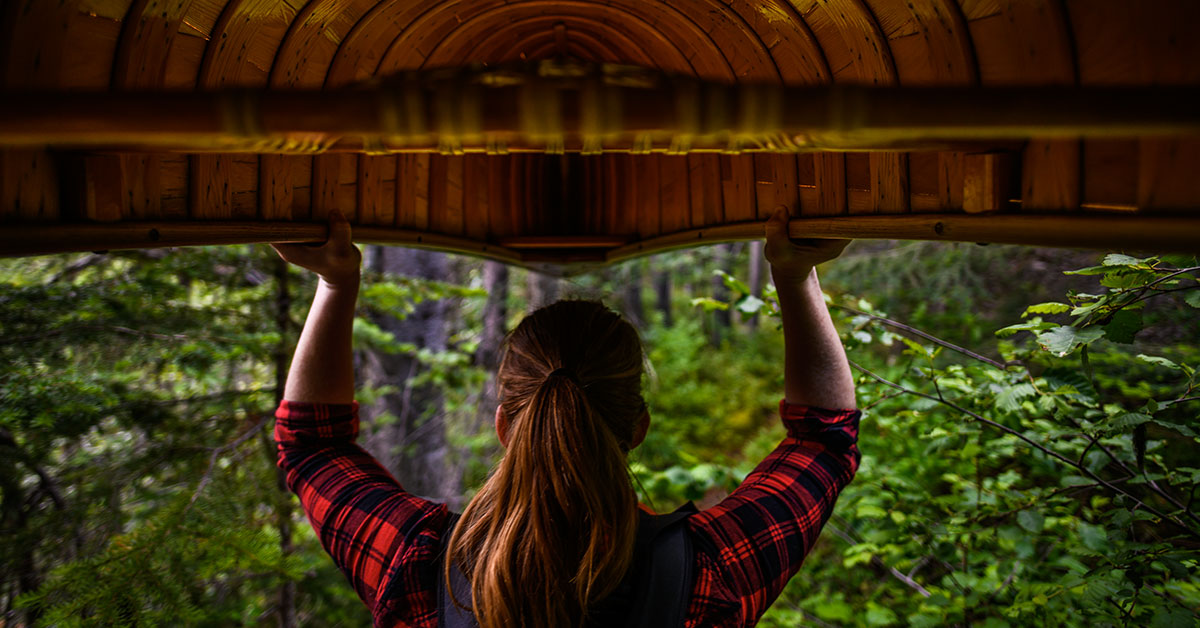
(580,132)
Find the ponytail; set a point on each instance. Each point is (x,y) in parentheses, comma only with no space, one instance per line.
(552,529)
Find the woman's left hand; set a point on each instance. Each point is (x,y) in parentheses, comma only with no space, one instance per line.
(337,261)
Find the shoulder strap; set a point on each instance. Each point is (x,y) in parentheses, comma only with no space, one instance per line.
(660,602)
(663,599)
(449,615)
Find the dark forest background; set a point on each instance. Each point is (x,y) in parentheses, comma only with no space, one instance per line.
(1029,435)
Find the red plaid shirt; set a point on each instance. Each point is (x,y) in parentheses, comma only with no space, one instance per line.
(386,540)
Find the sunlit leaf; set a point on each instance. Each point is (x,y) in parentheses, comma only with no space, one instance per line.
(1049,307)
(1064,339)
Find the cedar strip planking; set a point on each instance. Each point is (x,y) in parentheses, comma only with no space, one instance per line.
(1110,172)
(438,212)
(786,190)
(738,187)
(863,51)
(368,189)
(625,177)
(499,207)
(277,192)
(146,38)
(476,174)
(791,45)
(405,191)
(704,174)
(889,183)
(1167,174)
(986,179)
(210,197)
(950,180)
(674,193)
(1050,178)
(453,208)
(173,171)
(829,170)
(142,187)
(806,183)
(649,202)
(675,40)
(746,55)
(335,178)
(103,199)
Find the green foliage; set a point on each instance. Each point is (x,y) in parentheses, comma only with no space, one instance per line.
(1051,486)
(1041,474)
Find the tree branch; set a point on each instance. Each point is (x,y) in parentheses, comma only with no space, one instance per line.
(934,339)
(212,460)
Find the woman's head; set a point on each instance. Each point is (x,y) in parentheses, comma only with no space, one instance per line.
(582,344)
(552,529)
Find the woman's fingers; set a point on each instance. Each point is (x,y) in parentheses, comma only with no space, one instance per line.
(783,251)
(337,259)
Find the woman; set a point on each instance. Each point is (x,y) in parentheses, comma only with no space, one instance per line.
(551,533)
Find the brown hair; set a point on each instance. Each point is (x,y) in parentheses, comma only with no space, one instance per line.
(552,529)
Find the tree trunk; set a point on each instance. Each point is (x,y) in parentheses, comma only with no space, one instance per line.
(543,290)
(406,430)
(631,294)
(286,599)
(757,266)
(487,355)
(662,294)
(722,320)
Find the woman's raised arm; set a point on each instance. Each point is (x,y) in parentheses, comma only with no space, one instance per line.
(816,372)
(322,369)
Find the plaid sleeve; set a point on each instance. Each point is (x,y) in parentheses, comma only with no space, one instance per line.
(362,515)
(760,534)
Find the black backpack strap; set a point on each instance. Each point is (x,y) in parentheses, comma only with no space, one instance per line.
(663,599)
(449,615)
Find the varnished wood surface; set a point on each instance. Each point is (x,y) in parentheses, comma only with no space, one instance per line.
(606,206)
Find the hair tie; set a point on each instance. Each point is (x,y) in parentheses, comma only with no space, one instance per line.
(564,372)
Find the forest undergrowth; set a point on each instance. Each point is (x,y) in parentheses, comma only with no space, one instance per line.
(1028,435)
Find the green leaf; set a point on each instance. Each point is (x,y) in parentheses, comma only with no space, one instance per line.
(1153,359)
(1127,421)
(870,511)
(1036,325)
(1090,270)
(1049,307)
(1117,259)
(1098,592)
(1031,520)
(1009,399)
(750,304)
(1172,618)
(709,304)
(1123,326)
(1063,340)
(1182,429)
(734,284)
(1093,537)
(1192,298)
(1128,279)
(880,616)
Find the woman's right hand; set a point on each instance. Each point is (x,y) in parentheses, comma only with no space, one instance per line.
(336,261)
(796,258)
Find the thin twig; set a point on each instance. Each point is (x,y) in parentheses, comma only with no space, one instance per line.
(1154,487)
(877,562)
(212,460)
(934,339)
